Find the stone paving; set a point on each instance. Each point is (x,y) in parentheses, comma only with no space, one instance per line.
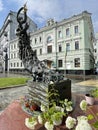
(81,89)
(10,94)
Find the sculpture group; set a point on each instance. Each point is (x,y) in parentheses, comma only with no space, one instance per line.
(32,64)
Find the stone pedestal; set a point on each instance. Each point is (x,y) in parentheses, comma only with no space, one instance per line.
(37,91)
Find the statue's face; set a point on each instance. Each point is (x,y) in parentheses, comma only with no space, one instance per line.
(20,18)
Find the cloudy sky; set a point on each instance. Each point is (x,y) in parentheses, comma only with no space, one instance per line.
(41,10)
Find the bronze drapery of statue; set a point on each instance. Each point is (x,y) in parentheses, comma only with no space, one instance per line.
(28,56)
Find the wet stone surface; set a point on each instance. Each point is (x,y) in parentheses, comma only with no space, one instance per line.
(11,94)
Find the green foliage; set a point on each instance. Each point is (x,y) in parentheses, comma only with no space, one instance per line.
(57,115)
(53,95)
(94,92)
(52,113)
(57,108)
(90,117)
(95,124)
(12,81)
(30,119)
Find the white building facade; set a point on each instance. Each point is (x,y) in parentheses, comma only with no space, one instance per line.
(66,46)
(96,50)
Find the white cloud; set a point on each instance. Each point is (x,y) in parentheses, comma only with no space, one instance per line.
(41,10)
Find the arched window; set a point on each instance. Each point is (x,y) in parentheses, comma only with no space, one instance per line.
(49,39)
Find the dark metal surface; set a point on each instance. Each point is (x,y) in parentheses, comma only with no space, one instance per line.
(37,68)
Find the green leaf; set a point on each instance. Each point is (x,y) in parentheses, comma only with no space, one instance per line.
(30,119)
(90,117)
(95,124)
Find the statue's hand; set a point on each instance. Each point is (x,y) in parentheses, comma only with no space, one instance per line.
(25,8)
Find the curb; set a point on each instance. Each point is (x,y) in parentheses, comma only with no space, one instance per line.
(21,85)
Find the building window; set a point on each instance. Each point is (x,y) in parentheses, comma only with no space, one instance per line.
(60,63)
(67,32)
(77,45)
(95,50)
(11,56)
(77,62)
(14,64)
(11,65)
(21,64)
(49,49)
(49,39)
(76,29)
(11,47)
(14,55)
(94,44)
(35,40)
(68,47)
(40,51)
(35,52)
(40,39)
(14,46)
(59,34)
(17,64)
(60,48)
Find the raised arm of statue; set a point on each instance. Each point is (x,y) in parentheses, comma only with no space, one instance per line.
(22,19)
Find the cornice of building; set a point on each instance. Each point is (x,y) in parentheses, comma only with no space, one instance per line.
(63,22)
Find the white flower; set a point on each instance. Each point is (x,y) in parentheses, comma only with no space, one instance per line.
(30,123)
(70,122)
(69,108)
(57,122)
(40,119)
(66,102)
(83,105)
(49,126)
(82,118)
(58,108)
(43,108)
(83,123)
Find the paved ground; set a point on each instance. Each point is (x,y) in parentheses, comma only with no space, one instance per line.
(8,95)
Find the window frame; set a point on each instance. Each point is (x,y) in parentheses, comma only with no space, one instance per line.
(49,49)
(59,34)
(60,48)
(76,29)
(76,45)
(67,32)
(60,63)
(67,47)
(77,62)
(49,39)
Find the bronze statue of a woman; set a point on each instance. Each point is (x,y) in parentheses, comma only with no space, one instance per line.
(28,56)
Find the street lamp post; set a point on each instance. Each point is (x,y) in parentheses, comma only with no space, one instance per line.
(6,60)
(6,51)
